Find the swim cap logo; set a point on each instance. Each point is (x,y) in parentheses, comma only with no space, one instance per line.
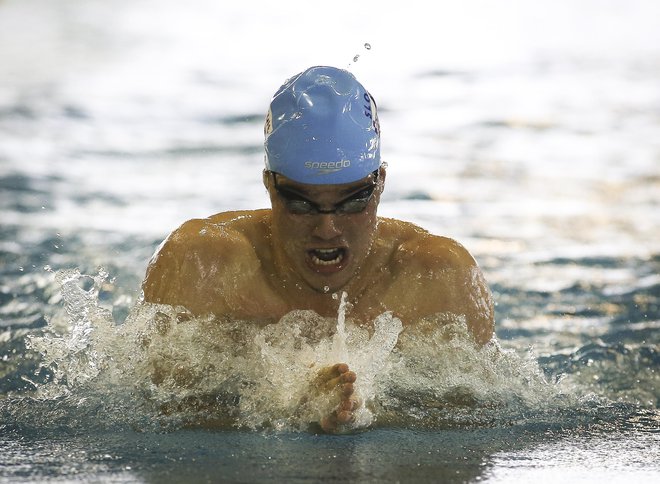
(326,167)
(370,112)
(268,126)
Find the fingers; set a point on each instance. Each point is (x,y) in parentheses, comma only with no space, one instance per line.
(349,377)
(331,423)
(329,372)
(344,381)
(344,416)
(348,405)
(340,368)
(347,389)
(338,378)
(337,375)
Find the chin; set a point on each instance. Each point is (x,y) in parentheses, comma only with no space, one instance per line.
(328,285)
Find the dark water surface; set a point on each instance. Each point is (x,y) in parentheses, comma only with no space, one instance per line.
(385,455)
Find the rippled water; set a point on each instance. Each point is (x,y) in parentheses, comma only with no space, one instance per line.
(527,132)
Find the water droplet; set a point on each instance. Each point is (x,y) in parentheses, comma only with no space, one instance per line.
(367,46)
(326,289)
(47,268)
(335,296)
(357,56)
(20,268)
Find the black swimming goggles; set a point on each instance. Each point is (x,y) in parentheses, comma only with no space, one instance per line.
(296,204)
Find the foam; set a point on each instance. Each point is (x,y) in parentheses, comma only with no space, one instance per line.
(163,367)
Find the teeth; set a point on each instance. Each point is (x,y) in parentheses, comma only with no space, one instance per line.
(325,252)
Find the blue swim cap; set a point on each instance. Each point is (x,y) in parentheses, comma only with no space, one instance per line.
(322,128)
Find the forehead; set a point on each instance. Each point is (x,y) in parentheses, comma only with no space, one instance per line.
(315,190)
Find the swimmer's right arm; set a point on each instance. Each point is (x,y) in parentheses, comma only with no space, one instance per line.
(184,268)
(203,265)
(167,270)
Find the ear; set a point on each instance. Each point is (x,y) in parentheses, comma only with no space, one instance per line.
(265,178)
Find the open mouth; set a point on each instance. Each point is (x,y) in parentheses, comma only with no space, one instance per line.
(327,257)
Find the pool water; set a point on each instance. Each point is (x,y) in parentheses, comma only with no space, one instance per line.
(528,134)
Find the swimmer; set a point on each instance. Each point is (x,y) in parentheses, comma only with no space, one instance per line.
(324,176)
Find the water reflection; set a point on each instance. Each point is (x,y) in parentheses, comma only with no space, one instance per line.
(529,134)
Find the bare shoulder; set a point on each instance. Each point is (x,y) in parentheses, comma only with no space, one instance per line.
(434,274)
(230,225)
(199,257)
(415,247)
(221,236)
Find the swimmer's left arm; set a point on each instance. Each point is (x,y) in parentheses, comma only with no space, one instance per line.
(478,304)
(443,277)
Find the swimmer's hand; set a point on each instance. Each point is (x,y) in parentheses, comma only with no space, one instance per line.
(337,378)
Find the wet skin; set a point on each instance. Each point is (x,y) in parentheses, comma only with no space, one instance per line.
(261,264)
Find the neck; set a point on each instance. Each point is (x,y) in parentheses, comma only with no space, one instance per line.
(294,291)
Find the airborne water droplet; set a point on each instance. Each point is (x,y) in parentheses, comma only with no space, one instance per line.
(357,56)
(367,46)
(326,289)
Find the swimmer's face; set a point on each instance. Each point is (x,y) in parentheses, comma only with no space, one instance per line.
(324,232)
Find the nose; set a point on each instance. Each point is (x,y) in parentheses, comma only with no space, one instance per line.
(326,226)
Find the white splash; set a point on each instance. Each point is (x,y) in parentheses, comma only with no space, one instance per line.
(174,369)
